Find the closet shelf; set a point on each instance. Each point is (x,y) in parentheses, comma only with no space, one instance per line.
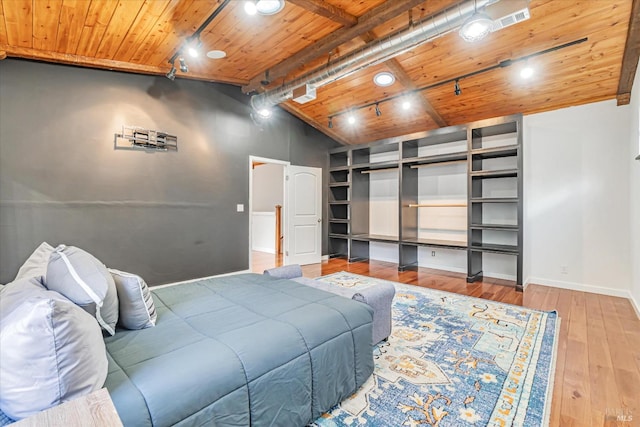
(494,200)
(339,220)
(341,202)
(375,166)
(436,159)
(339,236)
(374,238)
(500,227)
(494,248)
(450,244)
(339,184)
(504,173)
(495,152)
(339,169)
(437,205)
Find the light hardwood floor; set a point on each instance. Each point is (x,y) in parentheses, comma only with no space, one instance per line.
(598,365)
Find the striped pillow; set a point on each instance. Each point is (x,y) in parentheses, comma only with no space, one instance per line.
(83,279)
(137,310)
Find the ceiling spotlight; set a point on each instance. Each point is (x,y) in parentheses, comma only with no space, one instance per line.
(378,112)
(456,88)
(250,7)
(476,27)
(351,119)
(265,113)
(183,65)
(384,79)
(526,72)
(406,104)
(269,7)
(194,48)
(171,75)
(330,123)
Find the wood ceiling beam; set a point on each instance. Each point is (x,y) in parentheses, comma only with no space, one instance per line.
(322,127)
(320,7)
(631,56)
(407,82)
(107,64)
(371,19)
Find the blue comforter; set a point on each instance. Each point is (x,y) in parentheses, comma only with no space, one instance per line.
(238,351)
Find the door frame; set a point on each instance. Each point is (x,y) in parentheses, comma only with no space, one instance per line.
(284,163)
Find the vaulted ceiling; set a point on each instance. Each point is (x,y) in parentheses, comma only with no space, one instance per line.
(143,35)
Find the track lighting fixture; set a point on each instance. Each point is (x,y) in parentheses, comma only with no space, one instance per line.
(406,97)
(171,75)
(456,88)
(183,65)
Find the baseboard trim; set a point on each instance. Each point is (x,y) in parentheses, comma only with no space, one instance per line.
(324,258)
(264,249)
(200,278)
(634,304)
(573,286)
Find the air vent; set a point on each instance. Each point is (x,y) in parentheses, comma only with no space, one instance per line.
(511,19)
(304,94)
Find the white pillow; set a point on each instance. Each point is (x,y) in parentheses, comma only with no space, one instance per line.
(83,279)
(137,310)
(51,350)
(36,264)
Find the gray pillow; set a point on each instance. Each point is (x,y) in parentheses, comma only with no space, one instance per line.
(52,351)
(36,264)
(83,279)
(137,310)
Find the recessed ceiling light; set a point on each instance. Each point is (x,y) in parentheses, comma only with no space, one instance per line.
(216,54)
(526,72)
(476,27)
(351,119)
(269,7)
(384,79)
(406,105)
(250,7)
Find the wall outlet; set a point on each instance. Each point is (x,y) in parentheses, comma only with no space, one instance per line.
(240,207)
(433,253)
(564,269)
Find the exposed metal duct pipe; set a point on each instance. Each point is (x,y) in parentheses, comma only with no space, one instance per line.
(429,28)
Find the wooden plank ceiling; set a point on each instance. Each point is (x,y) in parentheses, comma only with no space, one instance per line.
(143,35)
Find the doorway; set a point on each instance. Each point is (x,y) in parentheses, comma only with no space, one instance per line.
(266,212)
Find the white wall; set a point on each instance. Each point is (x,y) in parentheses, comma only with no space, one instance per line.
(268,187)
(263,232)
(577,207)
(635,190)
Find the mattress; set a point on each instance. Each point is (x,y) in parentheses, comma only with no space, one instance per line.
(238,351)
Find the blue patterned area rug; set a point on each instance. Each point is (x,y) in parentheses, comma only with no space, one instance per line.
(454,360)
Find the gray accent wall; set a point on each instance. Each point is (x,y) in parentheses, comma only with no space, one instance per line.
(165,216)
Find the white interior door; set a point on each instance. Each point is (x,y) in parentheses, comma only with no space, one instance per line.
(303,215)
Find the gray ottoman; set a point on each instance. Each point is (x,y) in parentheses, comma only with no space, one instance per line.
(379,297)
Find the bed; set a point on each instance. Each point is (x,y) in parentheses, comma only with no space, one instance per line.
(240,350)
